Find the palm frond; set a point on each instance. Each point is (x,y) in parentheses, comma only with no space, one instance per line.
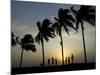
(60,12)
(45,23)
(51,35)
(39,26)
(92,22)
(54,25)
(74,11)
(56,19)
(38,38)
(27,43)
(46,31)
(92,11)
(66,29)
(70,24)
(46,38)
(66,10)
(85,13)
(69,17)
(77,25)
(50,29)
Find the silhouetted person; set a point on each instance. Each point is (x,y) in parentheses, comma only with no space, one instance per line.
(72,58)
(48,61)
(52,60)
(41,64)
(68,60)
(56,61)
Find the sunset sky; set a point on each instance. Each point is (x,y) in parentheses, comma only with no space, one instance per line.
(24,16)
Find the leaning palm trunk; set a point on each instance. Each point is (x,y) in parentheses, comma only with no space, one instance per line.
(21,58)
(43,54)
(85,57)
(62,49)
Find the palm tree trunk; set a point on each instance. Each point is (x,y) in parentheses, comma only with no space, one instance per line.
(43,54)
(62,49)
(85,57)
(21,58)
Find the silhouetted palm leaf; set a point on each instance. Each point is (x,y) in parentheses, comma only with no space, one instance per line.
(85,13)
(28,43)
(74,11)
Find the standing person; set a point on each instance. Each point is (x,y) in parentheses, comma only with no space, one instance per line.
(48,61)
(52,60)
(41,64)
(68,60)
(72,58)
(55,61)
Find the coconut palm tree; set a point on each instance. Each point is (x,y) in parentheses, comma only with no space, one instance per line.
(45,31)
(85,13)
(26,43)
(13,41)
(64,20)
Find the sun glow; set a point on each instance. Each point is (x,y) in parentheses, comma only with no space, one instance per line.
(67,53)
(58,55)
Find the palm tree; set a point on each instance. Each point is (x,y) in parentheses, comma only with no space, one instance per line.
(26,43)
(64,20)
(45,31)
(85,13)
(13,41)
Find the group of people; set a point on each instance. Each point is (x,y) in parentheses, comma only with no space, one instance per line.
(69,59)
(53,61)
